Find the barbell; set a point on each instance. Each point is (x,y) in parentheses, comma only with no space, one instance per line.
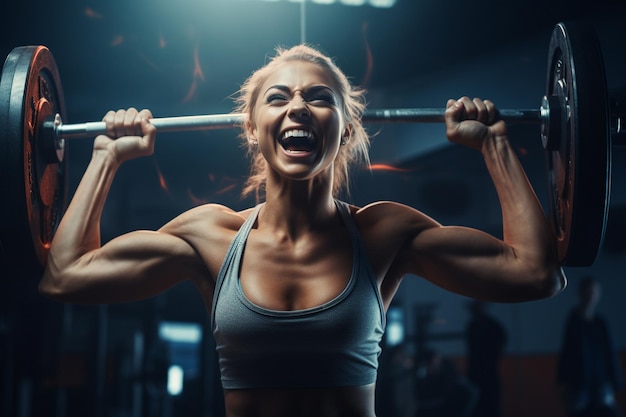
(575,116)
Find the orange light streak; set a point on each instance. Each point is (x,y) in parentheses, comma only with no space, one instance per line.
(370,58)
(196,200)
(161,177)
(385,167)
(197,75)
(228,184)
(225,189)
(162,182)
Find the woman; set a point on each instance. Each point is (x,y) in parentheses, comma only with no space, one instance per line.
(298,285)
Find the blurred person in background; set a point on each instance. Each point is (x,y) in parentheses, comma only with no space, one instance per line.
(588,370)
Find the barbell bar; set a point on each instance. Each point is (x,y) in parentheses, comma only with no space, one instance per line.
(229,120)
(59,132)
(575,116)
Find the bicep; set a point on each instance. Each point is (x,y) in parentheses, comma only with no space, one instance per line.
(130,267)
(469,262)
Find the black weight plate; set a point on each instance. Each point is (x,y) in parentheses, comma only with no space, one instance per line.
(579,171)
(34,190)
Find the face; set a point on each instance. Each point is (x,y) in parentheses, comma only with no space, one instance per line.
(297,121)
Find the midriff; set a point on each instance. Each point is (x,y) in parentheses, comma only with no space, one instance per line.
(301,402)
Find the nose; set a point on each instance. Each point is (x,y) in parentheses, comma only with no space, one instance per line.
(299,108)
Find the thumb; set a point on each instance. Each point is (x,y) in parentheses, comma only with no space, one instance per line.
(453,115)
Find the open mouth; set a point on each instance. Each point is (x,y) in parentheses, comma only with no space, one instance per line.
(298,140)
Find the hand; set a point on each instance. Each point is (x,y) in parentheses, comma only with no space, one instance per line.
(472,122)
(130,134)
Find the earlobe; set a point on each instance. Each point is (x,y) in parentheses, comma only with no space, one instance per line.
(347,134)
(250,130)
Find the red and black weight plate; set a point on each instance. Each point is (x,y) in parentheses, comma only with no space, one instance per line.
(579,169)
(34,188)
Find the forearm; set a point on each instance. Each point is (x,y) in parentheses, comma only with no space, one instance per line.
(79,230)
(526,229)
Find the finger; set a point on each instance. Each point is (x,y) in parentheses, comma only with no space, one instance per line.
(145,114)
(482,115)
(470,110)
(491,111)
(149,134)
(132,124)
(118,124)
(453,114)
(109,121)
(145,127)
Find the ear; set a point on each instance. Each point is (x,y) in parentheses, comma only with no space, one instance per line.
(347,132)
(251,133)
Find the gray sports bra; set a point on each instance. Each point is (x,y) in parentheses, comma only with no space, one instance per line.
(330,345)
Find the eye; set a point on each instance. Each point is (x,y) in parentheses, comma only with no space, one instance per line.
(275,98)
(324,98)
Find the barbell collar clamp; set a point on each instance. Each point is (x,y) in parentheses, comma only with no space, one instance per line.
(551,122)
(53,144)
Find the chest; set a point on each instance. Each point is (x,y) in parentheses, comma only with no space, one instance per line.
(280,274)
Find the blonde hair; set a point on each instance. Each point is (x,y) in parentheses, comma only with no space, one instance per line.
(356,148)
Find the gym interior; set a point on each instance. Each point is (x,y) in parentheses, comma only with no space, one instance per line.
(156,357)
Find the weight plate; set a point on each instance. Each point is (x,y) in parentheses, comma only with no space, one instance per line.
(579,169)
(30,91)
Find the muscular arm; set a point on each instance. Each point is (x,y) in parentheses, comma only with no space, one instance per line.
(521,266)
(130,267)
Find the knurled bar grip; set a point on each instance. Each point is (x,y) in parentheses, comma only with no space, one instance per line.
(426,115)
(229,120)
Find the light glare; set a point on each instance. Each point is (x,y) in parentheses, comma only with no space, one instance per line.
(175,377)
(382,3)
(180,332)
(395,334)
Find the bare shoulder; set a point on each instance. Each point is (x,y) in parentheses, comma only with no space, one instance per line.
(207,231)
(209,228)
(387,227)
(392,216)
(388,230)
(206,219)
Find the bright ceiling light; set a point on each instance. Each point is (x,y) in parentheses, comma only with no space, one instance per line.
(180,332)
(382,3)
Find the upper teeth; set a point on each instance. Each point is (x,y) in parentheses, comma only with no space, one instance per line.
(298,133)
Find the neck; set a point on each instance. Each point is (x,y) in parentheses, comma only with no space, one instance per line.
(298,207)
